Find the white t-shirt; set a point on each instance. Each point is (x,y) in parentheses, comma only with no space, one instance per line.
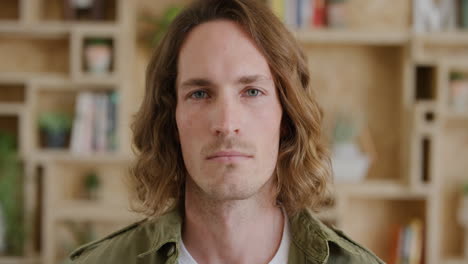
(280,257)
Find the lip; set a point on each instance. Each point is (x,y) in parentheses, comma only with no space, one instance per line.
(228,156)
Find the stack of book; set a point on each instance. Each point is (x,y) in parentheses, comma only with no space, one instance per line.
(94,126)
(300,13)
(440,15)
(408,244)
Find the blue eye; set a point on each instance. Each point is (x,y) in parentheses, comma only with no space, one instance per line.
(253,92)
(199,95)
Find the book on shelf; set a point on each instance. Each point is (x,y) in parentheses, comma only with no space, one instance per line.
(407,245)
(439,16)
(94,126)
(301,14)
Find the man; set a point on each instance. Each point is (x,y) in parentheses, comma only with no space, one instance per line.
(230,154)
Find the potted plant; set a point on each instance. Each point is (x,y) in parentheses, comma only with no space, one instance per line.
(92,184)
(154,28)
(56,127)
(12,224)
(98,55)
(352,149)
(459,95)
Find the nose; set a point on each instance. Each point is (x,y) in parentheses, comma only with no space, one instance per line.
(225,117)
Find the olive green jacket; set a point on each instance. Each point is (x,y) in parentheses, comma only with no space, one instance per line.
(156,241)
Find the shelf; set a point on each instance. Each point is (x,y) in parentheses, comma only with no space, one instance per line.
(455,261)
(58,81)
(444,46)
(443,38)
(54,29)
(51,55)
(352,37)
(381,189)
(11,108)
(456,116)
(93,158)
(19,260)
(22,77)
(93,211)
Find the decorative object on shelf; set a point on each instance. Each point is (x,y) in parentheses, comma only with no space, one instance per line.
(56,128)
(11,196)
(459,92)
(463,215)
(84,9)
(434,15)
(337,11)
(154,28)
(352,149)
(92,185)
(98,55)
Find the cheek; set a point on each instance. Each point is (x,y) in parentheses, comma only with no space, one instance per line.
(189,127)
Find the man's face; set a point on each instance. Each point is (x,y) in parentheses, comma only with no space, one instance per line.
(228,113)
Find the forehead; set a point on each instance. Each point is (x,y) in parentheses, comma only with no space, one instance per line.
(220,49)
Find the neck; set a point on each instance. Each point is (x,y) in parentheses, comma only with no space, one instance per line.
(235,231)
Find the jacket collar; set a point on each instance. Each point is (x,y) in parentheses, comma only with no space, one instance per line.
(314,238)
(308,233)
(162,231)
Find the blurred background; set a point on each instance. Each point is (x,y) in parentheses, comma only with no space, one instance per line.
(392,77)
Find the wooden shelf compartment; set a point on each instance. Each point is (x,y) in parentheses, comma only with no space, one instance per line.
(367,82)
(10,123)
(426,80)
(55,10)
(68,179)
(81,69)
(454,171)
(10,10)
(56,98)
(39,55)
(12,92)
(67,202)
(375,222)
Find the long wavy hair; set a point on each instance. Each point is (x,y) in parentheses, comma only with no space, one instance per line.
(303,170)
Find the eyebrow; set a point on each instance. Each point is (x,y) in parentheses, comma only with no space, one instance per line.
(202,82)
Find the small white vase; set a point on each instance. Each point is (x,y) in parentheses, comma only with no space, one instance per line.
(349,163)
(98,58)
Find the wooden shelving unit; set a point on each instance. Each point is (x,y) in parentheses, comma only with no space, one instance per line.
(43,69)
(400,81)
